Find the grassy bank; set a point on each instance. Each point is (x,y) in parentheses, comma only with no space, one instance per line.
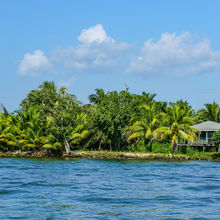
(107,155)
(144,156)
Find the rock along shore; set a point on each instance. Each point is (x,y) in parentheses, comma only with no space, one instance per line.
(104,155)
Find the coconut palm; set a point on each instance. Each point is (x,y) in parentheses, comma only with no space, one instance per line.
(144,123)
(92,136)
(177,124)
(80,132)
(28,129)
(97,97)
(211,112)
(147,98)
(5,126)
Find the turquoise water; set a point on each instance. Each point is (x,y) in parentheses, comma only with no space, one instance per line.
(94,189)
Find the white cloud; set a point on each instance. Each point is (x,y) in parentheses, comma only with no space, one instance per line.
(95,34)
(93,58)
(178,55)
(66,83)
(96,52)
(33,64)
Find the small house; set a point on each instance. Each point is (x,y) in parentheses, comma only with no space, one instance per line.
(205,141)
(207,129)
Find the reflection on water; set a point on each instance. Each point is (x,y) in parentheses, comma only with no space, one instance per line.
(79,189)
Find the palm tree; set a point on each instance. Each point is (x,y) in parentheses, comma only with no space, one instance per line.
(144,123)
(87,133)
(177,121)
(93,136)
(211,112)
(25,130)
(79,132)
(5,126)
(98,97)
(147,98)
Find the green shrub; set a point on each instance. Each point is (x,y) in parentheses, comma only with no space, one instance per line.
(141,146)
(3,148)
(216,156)
(131,148)
(216,138)
(191,151)
(182,149)
(161,148)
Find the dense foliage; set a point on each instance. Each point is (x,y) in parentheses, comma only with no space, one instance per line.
(56,121)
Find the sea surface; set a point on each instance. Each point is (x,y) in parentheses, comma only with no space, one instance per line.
(98,189)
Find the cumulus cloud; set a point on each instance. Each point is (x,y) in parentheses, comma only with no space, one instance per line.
(91,58)
(178,55)
(66,83)
(97,52)
(33,64)
(95,34)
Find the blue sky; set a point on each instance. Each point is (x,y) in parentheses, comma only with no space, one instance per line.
(171,48)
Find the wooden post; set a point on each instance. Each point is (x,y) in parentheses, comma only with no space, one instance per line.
(206,137)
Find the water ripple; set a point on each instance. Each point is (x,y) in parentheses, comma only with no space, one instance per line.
(81,189)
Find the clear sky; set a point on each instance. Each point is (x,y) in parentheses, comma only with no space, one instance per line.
(171,48)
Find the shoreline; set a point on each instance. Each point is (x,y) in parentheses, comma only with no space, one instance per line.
(108,155)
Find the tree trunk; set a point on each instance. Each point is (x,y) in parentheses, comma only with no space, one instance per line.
(175,147)
(119,146)
(67,146)
(110,145)
(100,145)
(151,143)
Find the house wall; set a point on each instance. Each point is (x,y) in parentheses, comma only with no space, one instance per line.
(206,136)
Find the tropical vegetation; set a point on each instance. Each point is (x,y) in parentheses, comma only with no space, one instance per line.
(53,120)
